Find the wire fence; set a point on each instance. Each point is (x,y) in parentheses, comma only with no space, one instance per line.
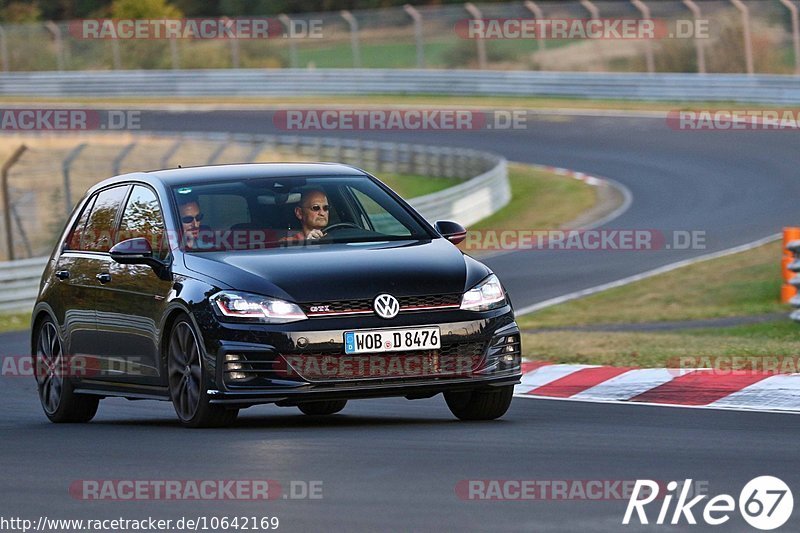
(42,185)
(743,36)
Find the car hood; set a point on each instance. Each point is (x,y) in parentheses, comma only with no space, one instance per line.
(331,272)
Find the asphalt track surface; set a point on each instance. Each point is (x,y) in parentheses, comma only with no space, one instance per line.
(395,464)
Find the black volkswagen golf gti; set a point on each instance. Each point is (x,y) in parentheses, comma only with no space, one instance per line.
(306,285)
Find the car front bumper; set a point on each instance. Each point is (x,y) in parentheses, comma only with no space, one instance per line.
(249,362)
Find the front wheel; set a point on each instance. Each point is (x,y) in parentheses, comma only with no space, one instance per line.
(50,366)
(187,381)
(323,407)
(481,404)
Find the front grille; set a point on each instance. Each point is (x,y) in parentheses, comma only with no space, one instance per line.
(452,360)
(364,306)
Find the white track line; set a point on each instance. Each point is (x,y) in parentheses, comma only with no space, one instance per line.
(644,275)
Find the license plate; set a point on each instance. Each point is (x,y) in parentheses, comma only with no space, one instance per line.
(391,340)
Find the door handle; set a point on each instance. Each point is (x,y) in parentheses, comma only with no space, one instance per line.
(62,274)
(103,277)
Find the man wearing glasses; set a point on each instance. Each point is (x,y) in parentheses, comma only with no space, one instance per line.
(190,219)
(313,214)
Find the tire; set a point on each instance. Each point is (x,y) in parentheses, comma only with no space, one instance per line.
(56,392)
(480,404)
(186,376)
(327,407)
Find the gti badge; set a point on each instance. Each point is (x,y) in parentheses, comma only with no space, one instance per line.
(386,306)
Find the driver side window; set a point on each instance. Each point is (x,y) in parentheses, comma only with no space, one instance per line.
(383,221)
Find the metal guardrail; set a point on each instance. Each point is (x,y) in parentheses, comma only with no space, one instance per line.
(485,188)
(20,282)
(773,89)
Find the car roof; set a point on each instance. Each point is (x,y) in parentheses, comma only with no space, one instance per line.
(209,173)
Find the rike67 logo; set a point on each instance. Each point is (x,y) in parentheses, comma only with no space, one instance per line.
(765,503)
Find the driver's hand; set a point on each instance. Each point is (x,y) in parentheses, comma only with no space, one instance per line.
(315,234)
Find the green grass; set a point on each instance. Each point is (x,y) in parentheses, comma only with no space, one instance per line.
(14,321)
(410,185)
(743,284)
(540,200)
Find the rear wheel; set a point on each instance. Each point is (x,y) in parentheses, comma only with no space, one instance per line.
(328,407)
(50,367)
(482,404)
(187,381)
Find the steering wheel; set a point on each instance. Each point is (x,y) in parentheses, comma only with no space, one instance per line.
(340,225)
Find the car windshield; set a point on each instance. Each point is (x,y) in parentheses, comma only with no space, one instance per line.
(263,213)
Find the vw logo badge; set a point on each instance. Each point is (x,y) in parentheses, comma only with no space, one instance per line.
(386,306)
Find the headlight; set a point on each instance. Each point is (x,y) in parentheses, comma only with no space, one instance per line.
(255,308)
(488,294)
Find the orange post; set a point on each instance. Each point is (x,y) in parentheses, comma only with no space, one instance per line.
(788,291)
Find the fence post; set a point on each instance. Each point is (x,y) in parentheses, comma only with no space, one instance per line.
(116,56)
(795,33)
(234,43)
(287,23)
(475,13)
(117,164)
(648,45)
(173,52)
(538,14)
(698,43)
(353,23)
(748,40)
(55,31)
(66,164)
(595,14)
(4,49)
(417,18)
(10,162)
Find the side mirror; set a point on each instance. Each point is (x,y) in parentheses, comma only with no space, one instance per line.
(452,231)
(136,251)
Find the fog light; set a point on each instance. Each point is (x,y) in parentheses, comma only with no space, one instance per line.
(237,375)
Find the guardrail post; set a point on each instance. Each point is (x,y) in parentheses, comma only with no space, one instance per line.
(66,164)
(4,49)
(795,33)
(538,14)
(287,23)
(10,162)
(418,38)
(594,12)
(353,23)
(699,46)
(648,45)
(748,40)
(480,44)
(116,165)
(55,31)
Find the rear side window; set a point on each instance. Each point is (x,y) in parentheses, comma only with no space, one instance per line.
(142,218)
(98,235)
(76,233)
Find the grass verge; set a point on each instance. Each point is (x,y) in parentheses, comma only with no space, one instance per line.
(743,284)
(14,321)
